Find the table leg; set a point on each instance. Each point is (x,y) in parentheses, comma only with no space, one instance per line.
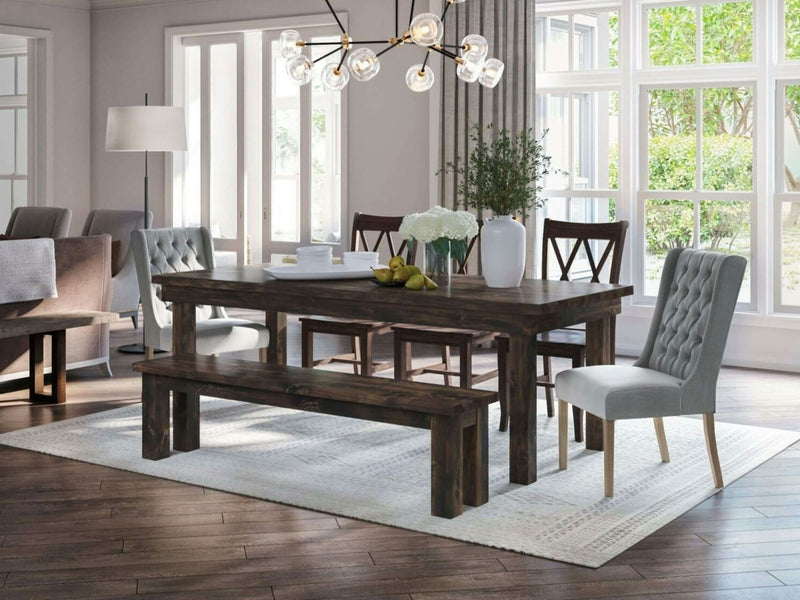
(155,419)
(58,364)
(185,407)
(276,352)
(522,408)
(599,351)
(36,374)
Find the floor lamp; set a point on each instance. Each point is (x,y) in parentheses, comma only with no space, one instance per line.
(145,129)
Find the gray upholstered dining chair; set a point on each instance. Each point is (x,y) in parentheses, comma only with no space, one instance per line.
(177,250)
(678,369)
(39,222)
(124,287)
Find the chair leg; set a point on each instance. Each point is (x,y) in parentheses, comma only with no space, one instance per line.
(106,369)
(563,410)
(577,413)
(365,350)
(355,345)
(135,319)
(149,353)
(547,363)
(661,435)
(608,457)
(465,365)
(307,342)
(402,358)
(711,446)
(502,382)
(446,363)
(262,355)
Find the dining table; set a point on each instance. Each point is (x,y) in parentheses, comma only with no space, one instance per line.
(536,306)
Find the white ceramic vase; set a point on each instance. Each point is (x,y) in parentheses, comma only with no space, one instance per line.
(503,252)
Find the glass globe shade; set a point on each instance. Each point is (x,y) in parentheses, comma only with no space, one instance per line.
(492,72)
(426,29)
(363,64)
(288,43)
(334,80)
(470,70)
(476,45)
(300,69)
(418,80)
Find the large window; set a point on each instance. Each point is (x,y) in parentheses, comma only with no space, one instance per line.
(701,128)
(13,125)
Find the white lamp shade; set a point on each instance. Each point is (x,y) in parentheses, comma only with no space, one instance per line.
(146,128)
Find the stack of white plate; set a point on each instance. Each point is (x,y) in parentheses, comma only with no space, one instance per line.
(314,258)
(361,259)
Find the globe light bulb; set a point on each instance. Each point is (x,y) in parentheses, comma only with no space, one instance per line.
(426,29)
(334,79)
(492,72)
(288,43)
(363,64)
(418,80)
(471,69)
(300,69)
(475,45)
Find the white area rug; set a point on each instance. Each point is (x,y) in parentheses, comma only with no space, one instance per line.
(381,473)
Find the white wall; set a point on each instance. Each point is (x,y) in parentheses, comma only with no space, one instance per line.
(71,98)
(388,124)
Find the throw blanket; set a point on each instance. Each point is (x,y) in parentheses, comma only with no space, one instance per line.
(27,270)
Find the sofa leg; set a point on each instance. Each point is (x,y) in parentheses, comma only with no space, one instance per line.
(106,369)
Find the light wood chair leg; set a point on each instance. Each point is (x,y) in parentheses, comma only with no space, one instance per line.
(608,457)
(262,355)
(356,347)
(446,363)
(563,421)
(148,353)
(711,446)
(661,436)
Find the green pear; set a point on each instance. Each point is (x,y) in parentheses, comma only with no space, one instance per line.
(416,282)
(383,275)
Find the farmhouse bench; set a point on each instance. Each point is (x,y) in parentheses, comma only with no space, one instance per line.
(457,418)
(36,327)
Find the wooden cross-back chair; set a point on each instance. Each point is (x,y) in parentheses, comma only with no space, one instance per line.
(464,339)
(568,343)
(365,227)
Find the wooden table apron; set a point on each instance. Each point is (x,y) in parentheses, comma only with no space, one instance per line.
(523,312)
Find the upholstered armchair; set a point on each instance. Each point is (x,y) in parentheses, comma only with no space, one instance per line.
(39,222)
(124,287)
(677,371)
(158,251)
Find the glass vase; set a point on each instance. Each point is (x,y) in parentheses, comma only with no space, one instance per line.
(437,265)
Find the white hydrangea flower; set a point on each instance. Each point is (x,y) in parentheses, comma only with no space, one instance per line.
(439,222)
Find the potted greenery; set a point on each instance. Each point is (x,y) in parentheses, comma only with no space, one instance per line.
(504,175)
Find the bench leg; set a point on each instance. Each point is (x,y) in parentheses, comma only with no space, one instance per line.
(155,419)
(36,374)
(402,358)
(58,363)
(476,460)
(446,467)
(186,421)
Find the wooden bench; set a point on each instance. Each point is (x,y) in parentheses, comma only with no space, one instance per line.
(457,418)
(36,327)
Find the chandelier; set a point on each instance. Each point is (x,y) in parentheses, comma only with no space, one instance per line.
(363,64)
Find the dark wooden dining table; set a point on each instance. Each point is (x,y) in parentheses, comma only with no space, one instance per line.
(522,313)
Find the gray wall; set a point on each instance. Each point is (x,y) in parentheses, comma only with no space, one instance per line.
(71,99)
(388,124)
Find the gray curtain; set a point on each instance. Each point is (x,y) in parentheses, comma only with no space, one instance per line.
(508,25)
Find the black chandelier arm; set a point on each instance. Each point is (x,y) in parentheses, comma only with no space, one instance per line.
(446,8)
(363,42)
(425,63)
(338,43)
(444,52)
(411,15)
(453,46)
(324,56)
(341,62)
(335,16)
(391,47)
(396,18)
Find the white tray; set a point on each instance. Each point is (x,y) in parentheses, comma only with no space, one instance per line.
(334,272)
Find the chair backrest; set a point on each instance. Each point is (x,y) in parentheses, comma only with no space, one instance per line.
(693,313)
(39,222)
(474,244)
(170,250)
(374,233)
(118,224)
(583,234)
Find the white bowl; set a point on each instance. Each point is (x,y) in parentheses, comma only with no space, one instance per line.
(361,259)
(315,251)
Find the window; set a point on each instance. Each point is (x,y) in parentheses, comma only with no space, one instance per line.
(13,125)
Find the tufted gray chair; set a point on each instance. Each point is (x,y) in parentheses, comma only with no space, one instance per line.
(677,371)
(177,250)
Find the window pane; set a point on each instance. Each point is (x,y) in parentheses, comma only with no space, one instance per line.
(22,75)
(728,139)
(553,117)
(285,153)
(7,87)
(792,11)
(7,144)
(613,141)
(672,31)
(728,32)
(191,159)
(5,202)
(595,140)
(555,41)
(790,254)
(595,40)
(285,210)
(325,144)
(791,139)
(725,227)
(223,112)
(669,224)
(20,193)
(672,146)
(22,141)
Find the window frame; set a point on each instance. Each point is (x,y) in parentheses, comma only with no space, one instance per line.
(780,197)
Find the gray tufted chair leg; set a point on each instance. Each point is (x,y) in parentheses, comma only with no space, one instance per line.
(711,446)
(608,457)
(148,353)
(661,435)
(563,427)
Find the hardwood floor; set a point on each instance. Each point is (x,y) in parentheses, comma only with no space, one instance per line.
(75,530)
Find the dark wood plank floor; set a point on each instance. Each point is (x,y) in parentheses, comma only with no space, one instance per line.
(74,530)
